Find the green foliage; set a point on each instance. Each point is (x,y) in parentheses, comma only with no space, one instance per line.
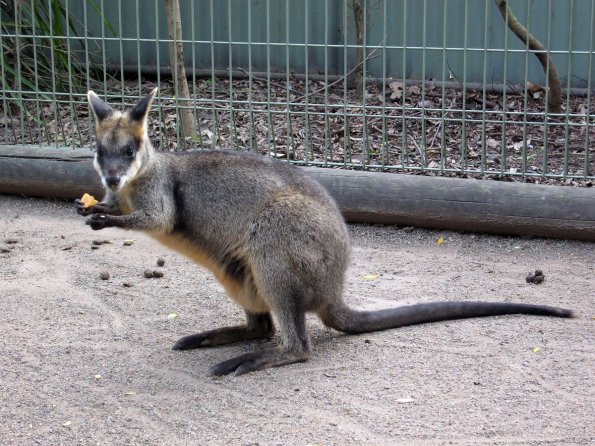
(41,47)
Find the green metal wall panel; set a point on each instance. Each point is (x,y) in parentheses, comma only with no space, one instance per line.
(420,39)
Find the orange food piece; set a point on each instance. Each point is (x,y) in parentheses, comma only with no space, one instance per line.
(88,200)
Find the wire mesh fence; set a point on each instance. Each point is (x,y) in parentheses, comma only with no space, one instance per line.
(442,87)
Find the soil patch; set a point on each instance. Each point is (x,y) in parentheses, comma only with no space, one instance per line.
(86,356)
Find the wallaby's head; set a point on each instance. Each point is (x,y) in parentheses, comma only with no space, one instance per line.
(123,146)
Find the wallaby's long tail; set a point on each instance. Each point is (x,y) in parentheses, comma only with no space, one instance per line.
(348,320)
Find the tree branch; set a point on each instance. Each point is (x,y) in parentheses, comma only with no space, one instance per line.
(178,69)
(554,90)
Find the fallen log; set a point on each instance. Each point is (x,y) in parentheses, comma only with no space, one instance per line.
(44,172)
(462,204)
(367,197)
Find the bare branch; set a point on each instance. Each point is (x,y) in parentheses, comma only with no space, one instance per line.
(342,78)
(555,91)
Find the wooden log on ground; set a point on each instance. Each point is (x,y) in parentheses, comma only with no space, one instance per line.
(368,197)
(462,204)
(45,172)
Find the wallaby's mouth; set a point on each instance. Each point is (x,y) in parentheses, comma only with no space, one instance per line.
(115,183)
(112,182)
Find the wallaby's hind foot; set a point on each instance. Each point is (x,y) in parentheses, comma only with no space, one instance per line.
(296,346)
(260,360)
(258,326)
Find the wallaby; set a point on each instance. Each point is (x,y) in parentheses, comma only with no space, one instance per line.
(271,235)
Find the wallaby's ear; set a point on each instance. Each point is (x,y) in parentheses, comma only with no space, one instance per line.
(141,110)
(100,109)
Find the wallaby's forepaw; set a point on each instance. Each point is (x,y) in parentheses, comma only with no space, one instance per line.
(81,209)
(98,221)
(100,208)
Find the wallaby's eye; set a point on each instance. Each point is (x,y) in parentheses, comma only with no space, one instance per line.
(129,152)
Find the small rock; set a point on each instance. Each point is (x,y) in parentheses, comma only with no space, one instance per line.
(127,285)
(160,261)
(128,242)
(536,278)
(100,242)
(11,241)
(152,274)
(104,275)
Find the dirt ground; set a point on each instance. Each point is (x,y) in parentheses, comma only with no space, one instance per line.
(87,361)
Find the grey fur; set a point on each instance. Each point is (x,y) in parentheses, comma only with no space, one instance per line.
(271,235)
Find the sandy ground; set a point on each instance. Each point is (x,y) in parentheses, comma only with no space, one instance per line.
(89,361)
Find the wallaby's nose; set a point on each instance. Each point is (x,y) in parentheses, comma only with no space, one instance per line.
(112,181)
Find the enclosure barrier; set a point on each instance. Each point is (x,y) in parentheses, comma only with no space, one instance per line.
(441,87)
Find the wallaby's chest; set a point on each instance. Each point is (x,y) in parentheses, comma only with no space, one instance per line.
(126,206)
(128,201)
